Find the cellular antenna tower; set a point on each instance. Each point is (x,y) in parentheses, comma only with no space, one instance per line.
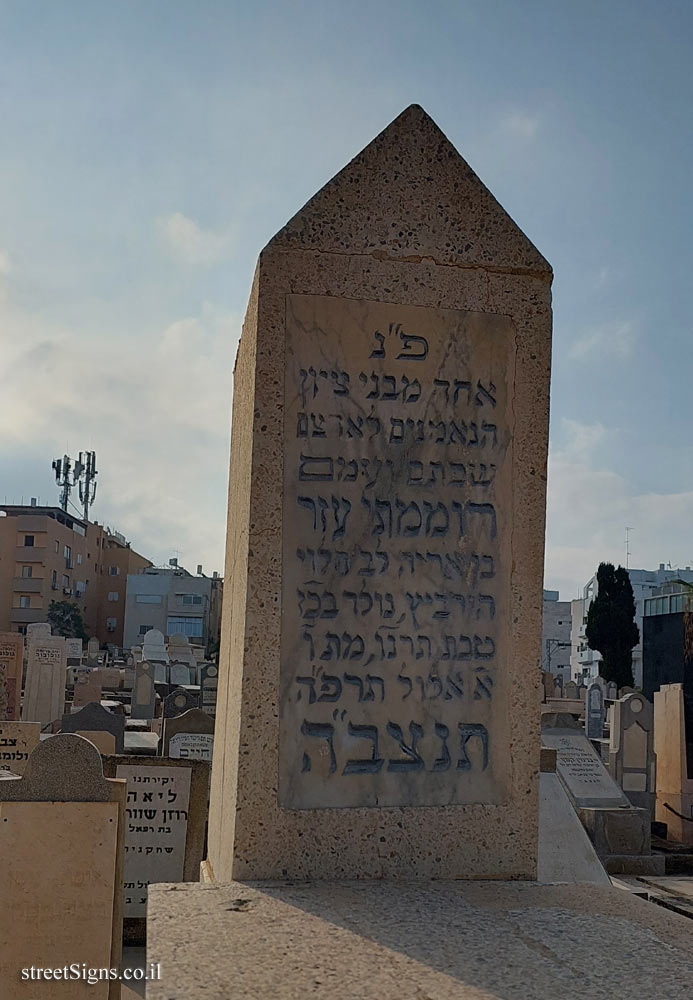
(82,474)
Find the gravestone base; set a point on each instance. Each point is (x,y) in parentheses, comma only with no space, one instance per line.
(409,940)
(635,864)
(621,838)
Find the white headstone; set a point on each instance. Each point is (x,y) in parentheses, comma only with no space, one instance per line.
(153,648)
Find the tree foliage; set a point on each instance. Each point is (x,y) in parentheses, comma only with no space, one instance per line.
(66,619)
(611,628)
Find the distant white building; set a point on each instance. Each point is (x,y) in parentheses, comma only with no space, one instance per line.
(584,662)
(174,601)
(555,635)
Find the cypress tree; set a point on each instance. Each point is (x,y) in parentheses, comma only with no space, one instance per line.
(611,628)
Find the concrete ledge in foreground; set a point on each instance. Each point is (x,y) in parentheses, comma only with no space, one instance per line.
(410,941)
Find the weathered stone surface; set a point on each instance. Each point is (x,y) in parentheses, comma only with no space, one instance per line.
(17,740)
(11,656)
(143,700)
(62,826)
(631,749)
(674,804)
(191,722)
(44,695)
(407,941)
(594,712)
(485,321)
(179,701)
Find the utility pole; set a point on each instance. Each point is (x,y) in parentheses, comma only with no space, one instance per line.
(628,530)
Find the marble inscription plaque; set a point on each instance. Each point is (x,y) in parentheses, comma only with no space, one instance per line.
(156,830)
(582,772)
(398,427)
(17,740)
(193,746)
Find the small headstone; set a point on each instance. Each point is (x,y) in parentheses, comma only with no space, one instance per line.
(87,688)
(136,653)
(61,824)
(11,658)
(179,649)
(143,701)
(570,691)
(179,701)
(558,682)
(611,691)
(44,693)
(179,674)
(549,686)
(594,712)
(631,749)
(160,672)
(73,652)
(129,678)
(93,652)
(95,718)
(17,740)
(208,688)
(582,691)
(192,722)
(153,648)
(37,630)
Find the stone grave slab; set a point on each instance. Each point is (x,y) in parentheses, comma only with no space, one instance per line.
(153,647)
(192,722)
(583,774)
(389,435)
(62,824)
(93,652)
(87,688)
(17,740)
(44,695)
(594,712)
(179,649)
(143,700)
(73,651)
(631,749)
(11,659)
(179,674)
(95,718)
(165,831)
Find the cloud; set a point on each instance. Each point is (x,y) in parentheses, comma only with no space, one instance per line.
(615,340)
(157,410)
(190,242)
(588,508)
(520,125)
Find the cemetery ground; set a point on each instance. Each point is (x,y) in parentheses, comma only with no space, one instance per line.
(374,793)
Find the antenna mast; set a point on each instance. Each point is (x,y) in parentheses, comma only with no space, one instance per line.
(64,477)
(628,530)
(82,474)
(87,483)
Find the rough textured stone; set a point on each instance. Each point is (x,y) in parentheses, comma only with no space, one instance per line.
(442,940)
(409,224)
(94,717)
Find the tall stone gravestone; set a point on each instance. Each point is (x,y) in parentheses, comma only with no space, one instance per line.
(594,712)
(87,688)
(94,719)
(631,749)
(44,694)
(143,701)
(674,804)
(73,650)
(209,679)
(93,652)
(382,614)
(37,630)
(611,691)
(570,691)
(61,838)
(11,659)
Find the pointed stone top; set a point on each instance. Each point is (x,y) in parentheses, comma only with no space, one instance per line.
(408,195)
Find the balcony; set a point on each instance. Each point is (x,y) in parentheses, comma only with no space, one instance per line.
(24,616)
(27,585)
(30,553)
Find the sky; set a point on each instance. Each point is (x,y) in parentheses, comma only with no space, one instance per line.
(150,149)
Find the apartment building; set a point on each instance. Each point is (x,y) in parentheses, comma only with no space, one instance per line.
(174,601)
(47,554)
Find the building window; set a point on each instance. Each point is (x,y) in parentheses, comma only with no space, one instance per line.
(190,599)
(148,599)
(79,559)
(113,595)
(28,541)
(186,626)
(54,580)
(111,624)
(114,571)
(27,572)
(25,601)
(67,552)
(145,628)
(57,545)
(66,581)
